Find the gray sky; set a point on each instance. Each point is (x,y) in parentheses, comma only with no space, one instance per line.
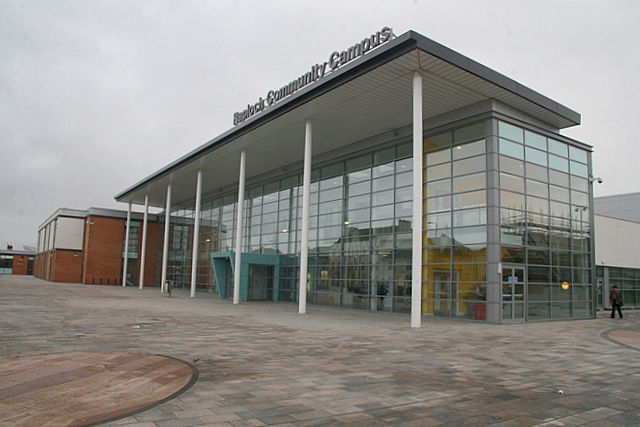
(97,95)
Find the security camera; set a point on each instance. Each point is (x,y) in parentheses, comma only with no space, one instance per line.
(596,179)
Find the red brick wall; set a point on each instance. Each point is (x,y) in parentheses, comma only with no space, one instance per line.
(103,251)
(20,264)
(42,265)
(67,266)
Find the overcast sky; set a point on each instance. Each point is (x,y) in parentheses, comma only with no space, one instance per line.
(97,95)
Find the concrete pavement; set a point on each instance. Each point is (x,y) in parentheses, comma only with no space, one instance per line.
(262,363)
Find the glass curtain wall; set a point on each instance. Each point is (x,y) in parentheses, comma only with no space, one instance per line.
(455,223)
(545,220)
(626,279)
(359,236)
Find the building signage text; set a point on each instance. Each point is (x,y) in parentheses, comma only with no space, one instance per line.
(317,72)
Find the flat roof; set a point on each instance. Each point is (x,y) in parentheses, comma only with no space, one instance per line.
(369,96)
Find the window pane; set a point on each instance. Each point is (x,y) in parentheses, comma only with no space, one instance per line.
(471,199)
(470,165)
(470,236)
(579,184)
(559,193)
(404,179)
(512,166)
(382,212)
(382,198)
(466,217)
(435,173)
(438,157)
(468,150)
(560,209)
(537,205)
(534,140)
(511,183)
(359,202)
(437,204)
(558,163)
(468,133)
(558,178)
(559,148)
(469,183)
(511,200)
(536,156)
(577,154)
(537,172)
(439,188)
(509,131)
(383,170)
(535,188)
(359,176)
(578,169)
(512,149)
(360,163)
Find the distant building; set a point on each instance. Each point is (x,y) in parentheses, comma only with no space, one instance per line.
(88,246)
(617,238)
(13,261)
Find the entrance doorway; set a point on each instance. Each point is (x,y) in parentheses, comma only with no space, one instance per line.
(513,293)
(260,282)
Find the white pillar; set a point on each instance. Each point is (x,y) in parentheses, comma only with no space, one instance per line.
(240,220)
(126,247)
(143,249)
(165,246)
(196,235)
(416,258)
(304,238)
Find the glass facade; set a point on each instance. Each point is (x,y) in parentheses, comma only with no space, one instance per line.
(497,198)
(626,279)
(545,226)
(455,223)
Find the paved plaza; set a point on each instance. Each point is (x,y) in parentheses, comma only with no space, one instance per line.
(123,356)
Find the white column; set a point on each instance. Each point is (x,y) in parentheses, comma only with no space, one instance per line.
(143,248)
(196,235)
(240,220)
(126,247)
(165,246)
(416,267)
(304,238)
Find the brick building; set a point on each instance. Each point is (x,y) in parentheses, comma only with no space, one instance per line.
(87,246)
(13,261)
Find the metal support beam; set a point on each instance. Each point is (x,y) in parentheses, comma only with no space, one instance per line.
(196,235)
(304,240)
(143,249)
(165,245)
(240,220)
(125,263)
(416,259)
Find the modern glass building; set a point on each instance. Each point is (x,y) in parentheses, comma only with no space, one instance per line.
(396,176)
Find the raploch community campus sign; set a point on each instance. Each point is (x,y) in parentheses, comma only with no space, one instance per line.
(317,72)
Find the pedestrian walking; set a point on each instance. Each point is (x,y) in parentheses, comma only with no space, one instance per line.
(615,297)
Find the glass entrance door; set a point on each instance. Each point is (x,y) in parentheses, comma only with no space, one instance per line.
(260,282)
(513,292)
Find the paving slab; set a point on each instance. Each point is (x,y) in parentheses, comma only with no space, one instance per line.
(262,363)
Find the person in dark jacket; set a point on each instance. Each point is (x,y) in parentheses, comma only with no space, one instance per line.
(615,297)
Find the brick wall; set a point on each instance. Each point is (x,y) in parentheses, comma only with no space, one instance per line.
(20,264)
(67,266)
(103,251)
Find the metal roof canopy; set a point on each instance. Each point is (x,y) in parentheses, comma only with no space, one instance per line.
(367,97)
